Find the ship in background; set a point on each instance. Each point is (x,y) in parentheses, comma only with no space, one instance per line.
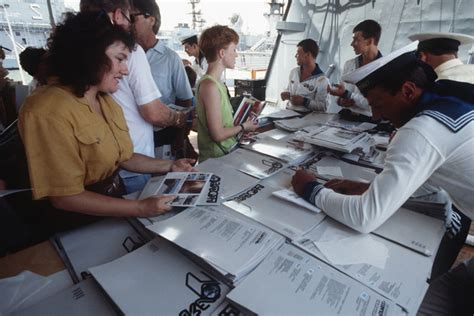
(26,23)
(254,51)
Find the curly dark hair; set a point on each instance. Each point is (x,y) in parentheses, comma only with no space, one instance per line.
(77,49)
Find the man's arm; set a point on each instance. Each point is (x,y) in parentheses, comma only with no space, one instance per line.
(144,164)
(157,113)
(410,161)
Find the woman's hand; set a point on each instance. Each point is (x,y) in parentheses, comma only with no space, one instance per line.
(154,206)
(183,165)
(250,126)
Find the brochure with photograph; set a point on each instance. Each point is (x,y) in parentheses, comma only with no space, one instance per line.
(190,188)
(250,107)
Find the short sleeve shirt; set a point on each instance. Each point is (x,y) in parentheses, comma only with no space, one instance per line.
(169,74)
(68,145)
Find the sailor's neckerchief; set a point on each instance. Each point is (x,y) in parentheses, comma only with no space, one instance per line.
(449,102)
(359,59)
(316,73)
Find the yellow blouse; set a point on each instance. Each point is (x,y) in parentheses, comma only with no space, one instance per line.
(67,144)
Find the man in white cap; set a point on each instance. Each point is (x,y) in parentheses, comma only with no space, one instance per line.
(440,51)
(191,47)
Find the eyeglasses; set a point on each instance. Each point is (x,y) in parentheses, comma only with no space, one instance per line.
(129,19)
(134,15)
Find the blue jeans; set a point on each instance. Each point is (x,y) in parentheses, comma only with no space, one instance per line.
(135,183)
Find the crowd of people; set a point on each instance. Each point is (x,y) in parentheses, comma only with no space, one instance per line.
(102,103)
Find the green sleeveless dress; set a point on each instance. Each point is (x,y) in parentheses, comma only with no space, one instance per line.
(207,147)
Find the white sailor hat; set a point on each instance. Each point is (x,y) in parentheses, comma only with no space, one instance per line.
(441,40)
(189,38)
(367,76)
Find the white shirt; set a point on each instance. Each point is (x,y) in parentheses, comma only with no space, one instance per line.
(361,105)
(136,89)
(314,88)
(455,70)
(423,149)
(200,69)
(169,74)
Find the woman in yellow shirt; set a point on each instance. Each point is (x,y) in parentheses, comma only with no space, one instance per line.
(75,135)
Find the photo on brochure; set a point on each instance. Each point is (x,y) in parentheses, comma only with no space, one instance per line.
(187,187)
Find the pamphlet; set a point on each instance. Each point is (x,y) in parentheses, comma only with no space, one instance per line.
(249,108)
(190,188)
(291,196)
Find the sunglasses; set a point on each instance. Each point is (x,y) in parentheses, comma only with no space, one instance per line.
(129,20)
(133,16)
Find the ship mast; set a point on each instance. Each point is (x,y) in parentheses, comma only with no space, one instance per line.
(198,21)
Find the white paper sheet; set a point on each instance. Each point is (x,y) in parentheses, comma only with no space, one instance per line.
(159,280)
(292,197)
(291,282)
(329,171)
(404,278)
(219,237)
(354,250)
(231,181)
(284,217)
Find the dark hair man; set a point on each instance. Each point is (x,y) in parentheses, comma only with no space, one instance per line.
(191,47)
(365,38)
(167,70)
(307,83)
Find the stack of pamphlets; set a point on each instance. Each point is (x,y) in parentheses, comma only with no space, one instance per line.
(254,164)
(157,279)
(291,196)
(376,262)
(291,282)
(312,119)
(328,167)
(281,114)
(95,244)
(286,149)
(229,242)
(286,218)
(334,138)
(84,298)
(189,188)
(226,181)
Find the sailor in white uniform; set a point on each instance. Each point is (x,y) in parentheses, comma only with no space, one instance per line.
(440,51)
(307,83)
(365,39)
(435,142)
